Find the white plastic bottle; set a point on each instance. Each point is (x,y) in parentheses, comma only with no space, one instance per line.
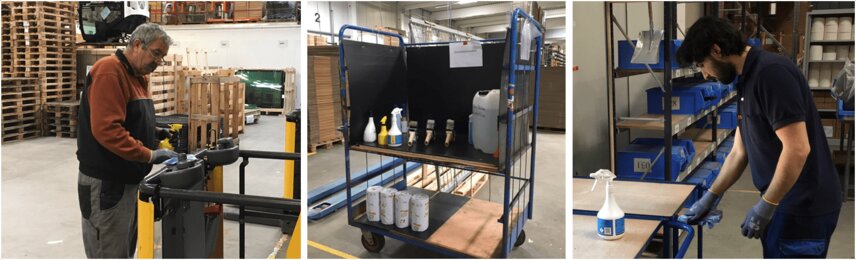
(395,139)
(610,218)
(370,134)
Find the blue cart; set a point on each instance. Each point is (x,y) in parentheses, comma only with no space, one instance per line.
(418,78)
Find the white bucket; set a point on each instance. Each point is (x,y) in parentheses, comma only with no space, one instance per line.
(841,52)
(814,75)
(402,209)
(373,203)
(387,206)
(845,28)
(815,52)
(825,75)
(485,113)
(830,30)
(829,52)
(419,214)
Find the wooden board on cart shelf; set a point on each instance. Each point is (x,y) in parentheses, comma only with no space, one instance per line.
(473,229)
(587,245)
(642,198)
(472,184)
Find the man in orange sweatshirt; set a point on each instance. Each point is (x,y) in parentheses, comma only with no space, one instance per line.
(117,141)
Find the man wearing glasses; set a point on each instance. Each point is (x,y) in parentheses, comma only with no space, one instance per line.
(779,137)
(117,141)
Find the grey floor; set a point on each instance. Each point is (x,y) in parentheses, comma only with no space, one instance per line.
(40,214)
(725,240)
(545,232)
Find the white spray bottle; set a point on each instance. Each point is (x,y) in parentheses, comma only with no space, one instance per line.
(395,138)
(610,218)
(370,134)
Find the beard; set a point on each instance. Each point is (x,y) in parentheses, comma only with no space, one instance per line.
(724,72)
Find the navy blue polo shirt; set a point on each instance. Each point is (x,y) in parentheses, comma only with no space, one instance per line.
(772,94)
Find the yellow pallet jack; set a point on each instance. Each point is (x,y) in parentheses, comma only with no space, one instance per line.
(187,197)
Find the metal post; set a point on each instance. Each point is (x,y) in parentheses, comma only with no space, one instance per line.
(241,190)
(535,122)
(610,84)
(668,23)
(795,39)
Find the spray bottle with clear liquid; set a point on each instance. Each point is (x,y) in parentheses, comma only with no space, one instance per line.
(610,218)
(395,138)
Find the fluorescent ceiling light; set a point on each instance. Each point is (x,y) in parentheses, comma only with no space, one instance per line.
(463,2)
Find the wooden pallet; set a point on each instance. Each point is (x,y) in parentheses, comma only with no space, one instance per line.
(163,83)
(326,144)
(60,119)
(472,184)
(271,111)
(217,96)
(204,130)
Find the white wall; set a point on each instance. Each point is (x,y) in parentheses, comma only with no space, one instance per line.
(343,13)
(248,46)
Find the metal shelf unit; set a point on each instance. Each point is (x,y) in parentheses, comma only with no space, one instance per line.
(449,213)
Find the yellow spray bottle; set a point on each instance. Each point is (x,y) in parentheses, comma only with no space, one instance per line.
(382,136)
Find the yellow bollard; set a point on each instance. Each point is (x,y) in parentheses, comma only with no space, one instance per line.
(145,229)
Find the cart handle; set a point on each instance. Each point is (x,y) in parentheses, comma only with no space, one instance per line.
(520,13)
(682,250)
(364,29)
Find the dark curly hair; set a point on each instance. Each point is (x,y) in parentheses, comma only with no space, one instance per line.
(703,34)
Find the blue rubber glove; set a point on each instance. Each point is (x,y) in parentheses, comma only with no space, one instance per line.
(701,208)
(161,155)
(757,219)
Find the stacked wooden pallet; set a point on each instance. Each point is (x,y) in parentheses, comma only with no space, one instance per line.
(5,27)
(20,102)
(42,40)
(325,107)
(163,82)
(215,96)
(60,119)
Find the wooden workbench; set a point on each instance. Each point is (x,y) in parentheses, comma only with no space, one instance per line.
(640,198)
(587,245)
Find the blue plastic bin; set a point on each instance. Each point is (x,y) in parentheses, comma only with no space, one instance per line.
(625,53)
(685,101)
(727,118)
(703,179)
(635,159)
(711,166)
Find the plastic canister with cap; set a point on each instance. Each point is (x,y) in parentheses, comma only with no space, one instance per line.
(485,114)
(402,209)
(845,28)
(817,28)
(814,75)
(815,52)
(419,214)
(830,29)
(387,206)
(373,203)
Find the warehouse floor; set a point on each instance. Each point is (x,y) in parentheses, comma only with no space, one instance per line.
(332,237)
(725,240)
(41,216)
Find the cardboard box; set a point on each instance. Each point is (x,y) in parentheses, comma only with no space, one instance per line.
(248,10)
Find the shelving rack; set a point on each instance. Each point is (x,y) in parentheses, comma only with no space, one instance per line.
(459,226)
(825,113)
(672,126)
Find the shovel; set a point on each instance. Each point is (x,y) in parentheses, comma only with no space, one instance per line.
(647,49)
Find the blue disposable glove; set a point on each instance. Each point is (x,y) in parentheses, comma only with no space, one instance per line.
(161,155)
(701,208)
(757,219)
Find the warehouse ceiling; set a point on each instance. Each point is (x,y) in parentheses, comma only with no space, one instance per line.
(485,18)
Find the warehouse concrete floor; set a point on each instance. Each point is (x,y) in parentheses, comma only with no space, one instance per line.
(332,237)
(725,240)
(41,217)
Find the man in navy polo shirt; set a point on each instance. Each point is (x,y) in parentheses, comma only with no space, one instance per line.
(779,136)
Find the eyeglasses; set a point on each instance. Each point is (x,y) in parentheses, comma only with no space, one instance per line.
(158,57)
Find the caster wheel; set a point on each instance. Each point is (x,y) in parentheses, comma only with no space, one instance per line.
(375,245)
(520,239)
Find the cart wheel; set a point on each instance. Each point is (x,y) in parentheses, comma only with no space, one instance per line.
(376,245)
(520,239)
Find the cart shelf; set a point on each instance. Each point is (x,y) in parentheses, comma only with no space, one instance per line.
(456,155)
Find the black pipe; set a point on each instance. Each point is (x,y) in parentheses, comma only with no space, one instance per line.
(241,190)
(269,155)
(230,199)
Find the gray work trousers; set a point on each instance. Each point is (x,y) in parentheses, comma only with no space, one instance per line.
(109,211)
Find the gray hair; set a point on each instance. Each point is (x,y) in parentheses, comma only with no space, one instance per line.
(148,33)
